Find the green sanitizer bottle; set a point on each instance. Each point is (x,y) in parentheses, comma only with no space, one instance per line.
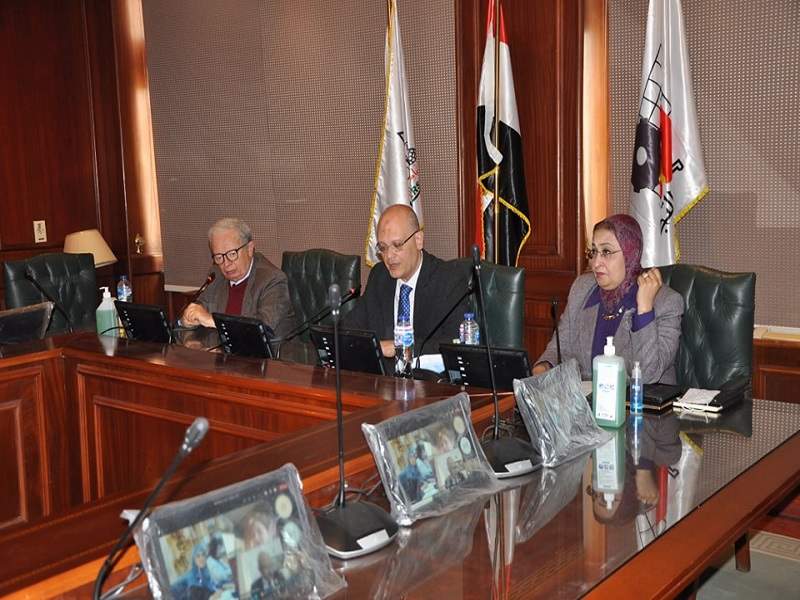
(608,387)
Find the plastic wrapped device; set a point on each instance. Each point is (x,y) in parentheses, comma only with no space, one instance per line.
(556,414)
(430,460)
(254,539)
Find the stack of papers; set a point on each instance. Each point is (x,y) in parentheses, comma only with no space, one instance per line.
(696,399)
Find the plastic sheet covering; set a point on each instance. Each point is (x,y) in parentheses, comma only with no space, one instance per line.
(254,539)
(421,553)
(547,495)
(556,414)
(429,460)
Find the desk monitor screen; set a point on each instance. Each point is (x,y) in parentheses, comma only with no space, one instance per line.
(144,322)
(360,350)
(25,323)
(244,336)
(468,365)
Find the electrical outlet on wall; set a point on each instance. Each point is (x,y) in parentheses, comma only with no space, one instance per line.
(39,232)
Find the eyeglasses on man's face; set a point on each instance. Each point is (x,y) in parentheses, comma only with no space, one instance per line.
(231,255)
(382,249)
(605,253)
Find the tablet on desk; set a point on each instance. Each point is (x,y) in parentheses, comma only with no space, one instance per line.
(144,322)
(359,350)
(244,336)
(468,365)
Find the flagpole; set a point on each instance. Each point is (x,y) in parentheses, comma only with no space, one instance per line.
(496,125)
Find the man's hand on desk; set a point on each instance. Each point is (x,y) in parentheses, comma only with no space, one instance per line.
(195,315)
(387,347)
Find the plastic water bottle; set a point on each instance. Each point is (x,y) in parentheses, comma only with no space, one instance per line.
(468,331)
(637,392)
(403,347)
(106,315)
(124,289)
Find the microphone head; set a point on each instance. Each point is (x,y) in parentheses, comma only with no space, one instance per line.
(195,434)
(354,292)
(476,256)
(334,296)
(211,276)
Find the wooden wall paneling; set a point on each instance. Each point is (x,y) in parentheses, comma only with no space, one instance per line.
(776,370)
(546,54)
(26,493)
(47,154)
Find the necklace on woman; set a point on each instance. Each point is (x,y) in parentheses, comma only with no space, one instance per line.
(614,314)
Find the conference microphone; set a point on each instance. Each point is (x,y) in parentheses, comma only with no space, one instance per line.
(212,275)
(356,528)
(194,435)
(509,456)
(470,289)
(32,278)
(554,317)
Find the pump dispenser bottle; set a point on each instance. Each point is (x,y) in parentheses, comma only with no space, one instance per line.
(608,387)
(106,315)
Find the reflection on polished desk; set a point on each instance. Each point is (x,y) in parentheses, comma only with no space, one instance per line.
(89,423)
(545,539)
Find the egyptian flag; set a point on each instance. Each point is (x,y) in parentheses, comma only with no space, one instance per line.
(503,160)
(396,170)
(668,175)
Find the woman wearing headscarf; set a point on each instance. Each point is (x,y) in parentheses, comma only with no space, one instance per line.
(619,299)
(199,584)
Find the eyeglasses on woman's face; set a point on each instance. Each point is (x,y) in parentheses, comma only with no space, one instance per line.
(605,253)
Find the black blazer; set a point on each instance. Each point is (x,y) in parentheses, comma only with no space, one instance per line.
(439,286)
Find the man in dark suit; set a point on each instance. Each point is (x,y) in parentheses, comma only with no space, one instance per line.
(435,286)
(250,286)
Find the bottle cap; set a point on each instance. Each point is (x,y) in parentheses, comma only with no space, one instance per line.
(469,316)
(106,293)
(609,498)
(608,350)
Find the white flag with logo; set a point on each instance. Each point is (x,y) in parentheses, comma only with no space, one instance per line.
(668,176)
(396,171)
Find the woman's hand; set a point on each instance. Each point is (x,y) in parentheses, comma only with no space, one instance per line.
(649,284)
(540,368)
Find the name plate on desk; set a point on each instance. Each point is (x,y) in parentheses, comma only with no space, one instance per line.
(254,539)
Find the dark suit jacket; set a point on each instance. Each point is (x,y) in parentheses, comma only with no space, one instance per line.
(438,288)
(266,296)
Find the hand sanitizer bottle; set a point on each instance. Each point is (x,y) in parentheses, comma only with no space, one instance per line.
(106,315)
(608,387)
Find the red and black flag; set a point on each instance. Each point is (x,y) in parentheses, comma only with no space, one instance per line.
(502,223)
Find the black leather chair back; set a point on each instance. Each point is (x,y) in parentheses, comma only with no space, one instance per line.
(717,327)
(311,272)
(504,290)
(69,278)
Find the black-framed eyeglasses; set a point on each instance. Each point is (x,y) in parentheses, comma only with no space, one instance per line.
(231,255)
(381,249)
(605,253)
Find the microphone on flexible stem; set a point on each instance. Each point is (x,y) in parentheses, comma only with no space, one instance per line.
(353,292)
(32,278)
(358,528)
(509,456)
(212,275)
(554,317)
(192,438)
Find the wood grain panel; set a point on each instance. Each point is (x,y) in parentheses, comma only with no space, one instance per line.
(546,55)
(24,458)
(776,370)
(47,153)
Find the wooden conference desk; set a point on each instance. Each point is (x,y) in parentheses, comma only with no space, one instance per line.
(739,476)
(89,423)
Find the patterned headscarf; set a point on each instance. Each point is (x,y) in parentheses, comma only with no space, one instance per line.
(629,235)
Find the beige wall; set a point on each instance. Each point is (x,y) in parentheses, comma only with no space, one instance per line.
(272,110)
(746,75)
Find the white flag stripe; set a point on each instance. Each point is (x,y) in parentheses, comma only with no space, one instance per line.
(666,90)
(396,172)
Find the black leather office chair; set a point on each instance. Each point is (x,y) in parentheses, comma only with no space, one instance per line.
(716,342)
(311,272)
(504,290)
(69,278)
